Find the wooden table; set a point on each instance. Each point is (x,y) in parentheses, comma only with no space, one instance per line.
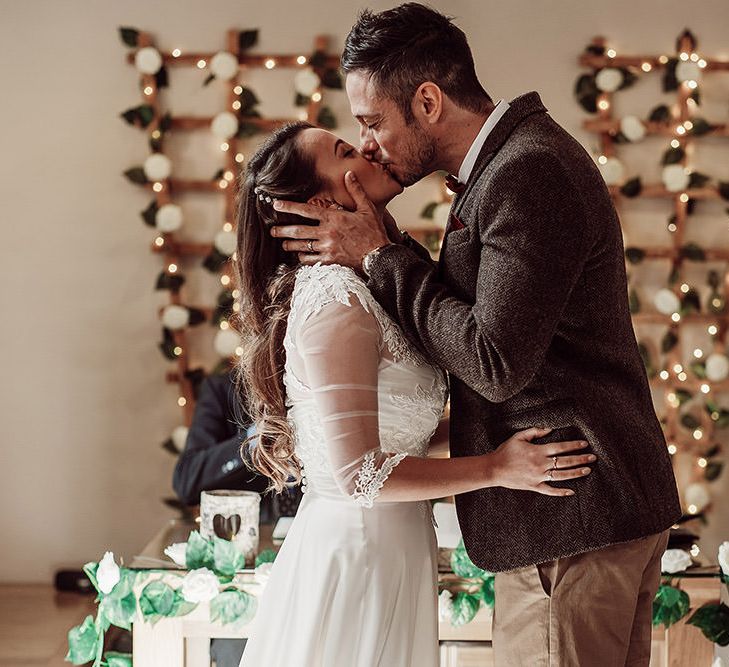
(185,641)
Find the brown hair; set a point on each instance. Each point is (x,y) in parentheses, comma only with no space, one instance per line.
(403,47)
(266,273)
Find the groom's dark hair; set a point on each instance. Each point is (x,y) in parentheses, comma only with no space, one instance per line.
(401,48)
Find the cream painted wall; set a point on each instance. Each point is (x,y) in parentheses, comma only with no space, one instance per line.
(84,404)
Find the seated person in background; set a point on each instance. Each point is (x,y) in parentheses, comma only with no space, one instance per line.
(212,460)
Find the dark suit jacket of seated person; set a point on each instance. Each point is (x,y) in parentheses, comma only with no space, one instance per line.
(211,459)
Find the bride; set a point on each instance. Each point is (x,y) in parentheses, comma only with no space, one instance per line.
(346,404)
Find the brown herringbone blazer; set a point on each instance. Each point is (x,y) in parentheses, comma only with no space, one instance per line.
(527,310)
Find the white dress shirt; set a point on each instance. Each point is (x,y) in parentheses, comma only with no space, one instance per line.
(470,160)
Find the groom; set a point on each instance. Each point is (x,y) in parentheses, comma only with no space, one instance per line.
(527,310)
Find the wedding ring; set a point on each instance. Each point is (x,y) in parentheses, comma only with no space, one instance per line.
(310,245)
(549,475)
(554,459)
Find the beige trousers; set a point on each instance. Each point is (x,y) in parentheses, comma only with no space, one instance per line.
(589,610)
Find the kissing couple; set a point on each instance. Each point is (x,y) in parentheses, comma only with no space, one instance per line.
(354,338)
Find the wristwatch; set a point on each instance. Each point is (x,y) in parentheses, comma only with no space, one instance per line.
(370,257)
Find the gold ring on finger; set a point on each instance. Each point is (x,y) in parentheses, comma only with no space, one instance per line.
(554,460)
(310,245)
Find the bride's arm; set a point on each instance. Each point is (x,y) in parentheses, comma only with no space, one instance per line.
(340,346)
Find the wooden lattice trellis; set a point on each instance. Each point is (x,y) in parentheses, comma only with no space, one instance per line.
(171,248)
(675,378)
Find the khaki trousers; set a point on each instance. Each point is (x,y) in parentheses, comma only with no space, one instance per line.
(589,610)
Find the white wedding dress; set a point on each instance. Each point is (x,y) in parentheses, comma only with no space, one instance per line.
(355,582)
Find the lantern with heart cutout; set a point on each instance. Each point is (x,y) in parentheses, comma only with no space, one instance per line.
(234,516)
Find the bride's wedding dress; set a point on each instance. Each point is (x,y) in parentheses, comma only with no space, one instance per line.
(355,582)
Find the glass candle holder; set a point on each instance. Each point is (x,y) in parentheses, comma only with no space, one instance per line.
(232,515)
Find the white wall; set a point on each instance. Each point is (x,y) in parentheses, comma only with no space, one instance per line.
(84,404)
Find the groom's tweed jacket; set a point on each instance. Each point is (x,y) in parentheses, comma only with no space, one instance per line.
(527,310)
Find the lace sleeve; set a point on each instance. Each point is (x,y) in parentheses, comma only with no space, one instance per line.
(340,346)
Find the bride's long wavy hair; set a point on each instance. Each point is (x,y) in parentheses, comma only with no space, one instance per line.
(265,278)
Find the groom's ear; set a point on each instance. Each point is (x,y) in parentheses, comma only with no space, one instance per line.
(428,102)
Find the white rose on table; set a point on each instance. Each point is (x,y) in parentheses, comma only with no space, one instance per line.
(675,560)
(178,553)
(724,558)
(445,606)
(200,585)
(108,573)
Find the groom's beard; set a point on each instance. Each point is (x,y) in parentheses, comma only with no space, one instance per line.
(422,150)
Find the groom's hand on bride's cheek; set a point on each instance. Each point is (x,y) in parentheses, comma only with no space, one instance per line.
(342,237)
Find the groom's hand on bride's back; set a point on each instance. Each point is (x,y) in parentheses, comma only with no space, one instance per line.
(519,464)
(342,237)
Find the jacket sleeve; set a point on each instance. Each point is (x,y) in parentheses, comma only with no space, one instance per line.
(212,457)
(535,240)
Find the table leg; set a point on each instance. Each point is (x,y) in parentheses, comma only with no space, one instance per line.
(159,644)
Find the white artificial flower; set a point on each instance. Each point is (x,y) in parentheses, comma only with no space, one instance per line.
(632,128)
(441,213)
(718,662)
(224,65)
(199,585)
(688,71)
(698,495)
(609,79)
(157,167)
(675,560)
(177,552)
(224,242)
(445,606)
(226,342)
(675,177)
(262,574)
(666,301)
(717,367)
(148,60)
(108,573)
(179,437)
(175,317)
(306,82)
(724,558)
(224,125)
(613,171)
(168,218)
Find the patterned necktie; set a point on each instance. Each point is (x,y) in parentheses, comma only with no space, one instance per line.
(454,185)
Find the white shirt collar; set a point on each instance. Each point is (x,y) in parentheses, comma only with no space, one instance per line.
(470,160)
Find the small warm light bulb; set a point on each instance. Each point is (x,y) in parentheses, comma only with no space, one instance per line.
(603,104)
(227,227)
(235,293)
(712,329)
(176,53)
(159,241)
(702,462)
(715,415)
(229,176)
(675,143)
(664,375)
(236,105)
(148,90)
(694,57)
(316,97)
(222,184)
(177,351)
(692,509)
(225,280)
(157,187)
(239,157)
(182,401)
(716,302)
(201,64)
(677,368)
(224,146)
(692,84)
(685,288)
(224,324)
(646,67)
(684,56)
(303,115)
(236,307)
(682,376)
(683,198)
(602,159)
(301,60)
(672,399)
(171,268)
(239,351)
(672,449)
(611,53)
(663,59)
(702,63)
(672,227)
(270,63)
(698,434)
(681,130)
(676,317)
(156,134)
(688,125)
(705,388)
(698,353)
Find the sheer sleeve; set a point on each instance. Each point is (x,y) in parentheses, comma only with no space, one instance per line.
(341,349)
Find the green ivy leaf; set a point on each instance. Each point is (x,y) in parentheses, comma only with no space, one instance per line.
(318,59)
(161,78)
(629,78)
(669,606)
(227,560)
(199,552)
(156,600)
(683,396)
(116,659)
(693,252)
(428,210)
(660,114)
(635,255)
(149,214)
(169,281)
(465,607)
(670,340)
(673,156)
(248,100)
(266,556)
(595,49)
(247,39)
(487,592)
(208,80)
(670,82)
(215,260)
(136,175)
(633,301)
(463,566)
(119,611)
(713,620)
(586,92)
(690,302)
(232,607)
(632,187)
(247,130)
(713,470)
(83,642)
(697,180)
(301,100)
(130,36)
(326,119)
(700,127)
(688,421)
(724,190)
(332,79)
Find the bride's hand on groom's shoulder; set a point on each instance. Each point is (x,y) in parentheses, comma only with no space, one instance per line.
(342,237)
(520,464)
